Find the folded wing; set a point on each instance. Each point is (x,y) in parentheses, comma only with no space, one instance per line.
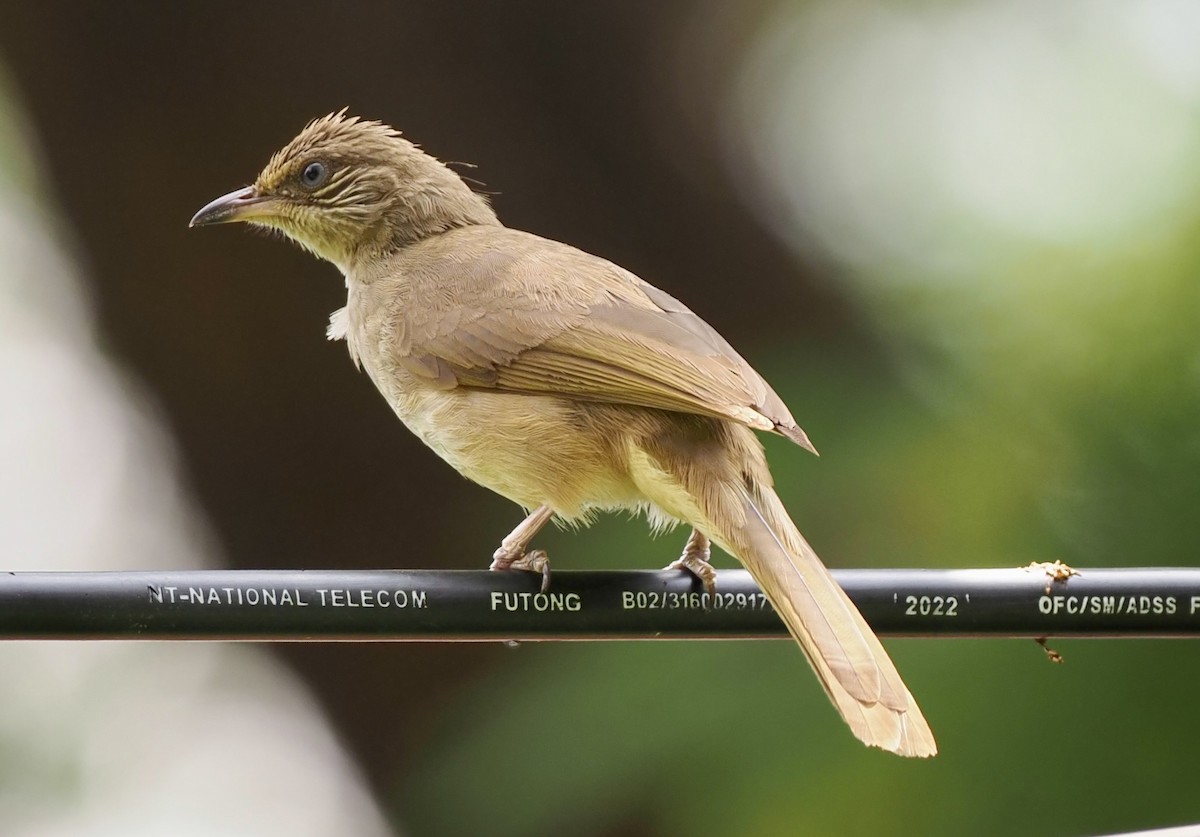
(506,323)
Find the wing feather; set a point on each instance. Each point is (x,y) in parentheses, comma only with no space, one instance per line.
(547,318)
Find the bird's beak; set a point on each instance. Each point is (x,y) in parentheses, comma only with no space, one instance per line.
(243,205)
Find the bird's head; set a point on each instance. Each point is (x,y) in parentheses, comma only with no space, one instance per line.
(346,187)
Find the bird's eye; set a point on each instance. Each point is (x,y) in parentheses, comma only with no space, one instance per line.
(314,174)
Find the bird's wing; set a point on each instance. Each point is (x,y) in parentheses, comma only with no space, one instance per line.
(547,318)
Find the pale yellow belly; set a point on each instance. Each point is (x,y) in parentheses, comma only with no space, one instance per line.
(528,448)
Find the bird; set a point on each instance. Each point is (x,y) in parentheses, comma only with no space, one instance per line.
(564,383)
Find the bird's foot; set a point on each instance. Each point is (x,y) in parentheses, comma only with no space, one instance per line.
(537,561)
(697,564)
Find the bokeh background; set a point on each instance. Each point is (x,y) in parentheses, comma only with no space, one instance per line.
(961,239)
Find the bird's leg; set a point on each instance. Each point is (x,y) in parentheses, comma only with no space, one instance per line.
(695,560)
(512,555)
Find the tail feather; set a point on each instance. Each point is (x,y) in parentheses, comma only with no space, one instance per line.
(821,618)
(740,512)
(848,658)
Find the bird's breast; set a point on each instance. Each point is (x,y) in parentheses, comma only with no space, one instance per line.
(532,449)
(528,448)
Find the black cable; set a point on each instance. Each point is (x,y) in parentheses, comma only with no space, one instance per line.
(323,605)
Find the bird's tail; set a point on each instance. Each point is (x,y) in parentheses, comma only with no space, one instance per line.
(851,663)
(746,518)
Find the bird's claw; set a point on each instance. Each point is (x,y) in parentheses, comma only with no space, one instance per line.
(697,564)
(536,561)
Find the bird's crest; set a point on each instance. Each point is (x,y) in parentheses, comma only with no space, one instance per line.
(336,135)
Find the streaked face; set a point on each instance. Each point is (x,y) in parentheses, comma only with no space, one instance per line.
(326,189)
